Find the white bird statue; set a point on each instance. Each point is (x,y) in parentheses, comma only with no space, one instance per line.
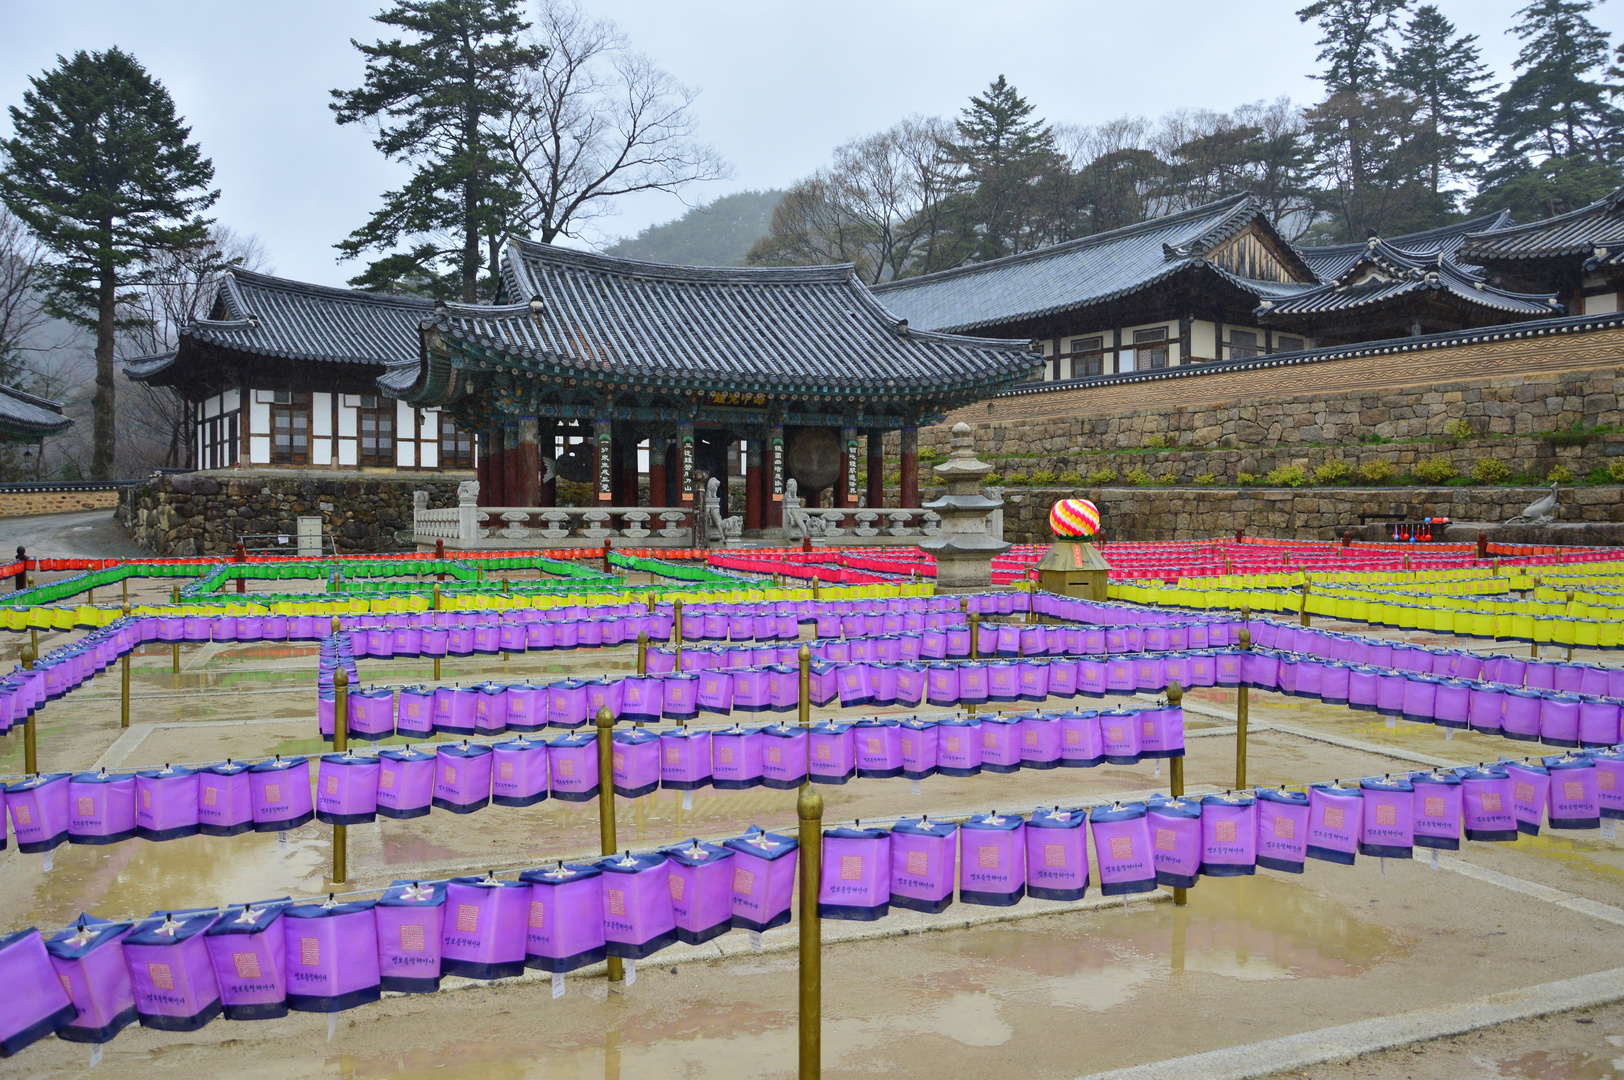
(1539,512)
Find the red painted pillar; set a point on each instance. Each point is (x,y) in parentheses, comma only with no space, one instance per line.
(498,471)
(656,471)
(876,470)
(482,467)
(512,466)
(525,487)
(754,488)
(910,467)
(627,496)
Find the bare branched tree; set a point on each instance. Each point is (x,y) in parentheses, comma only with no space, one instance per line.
(597,120)
(182,285)
(22,314)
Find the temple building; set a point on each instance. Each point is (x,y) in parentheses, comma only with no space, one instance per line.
(26,418)
(673,365)
(1579,256)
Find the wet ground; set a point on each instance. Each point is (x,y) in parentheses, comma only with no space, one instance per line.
(1050,996)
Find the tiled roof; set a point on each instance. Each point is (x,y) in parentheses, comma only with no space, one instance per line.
(1333,260)
(1578,232)
(1383,272)
(786,331)
(27,418)
(1075,274)
(271,316)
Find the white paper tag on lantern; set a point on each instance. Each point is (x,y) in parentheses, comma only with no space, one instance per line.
(332,1025)
(1434,863)
(687,800)
(1158,768)
(755,940)
(1392,722)
(558,985)
(913,787)
(1609,828)
(46,862)
(282,837)
(95,1055)
(631,972)
(1449,734)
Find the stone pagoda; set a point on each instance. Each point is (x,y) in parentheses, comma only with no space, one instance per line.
(965,547)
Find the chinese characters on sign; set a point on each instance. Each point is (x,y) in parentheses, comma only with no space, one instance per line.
(606,466)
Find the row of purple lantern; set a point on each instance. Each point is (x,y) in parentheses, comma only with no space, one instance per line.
(354,788)
(177,971)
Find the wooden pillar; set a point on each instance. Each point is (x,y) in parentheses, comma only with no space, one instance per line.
(512,466)
(524,481)
(626,448)
(657,448)
(603,460)
(876,470)
(754,488)
(1116,350)
(482,467)
(910,467)
(498,470)
(774,448)
(1184,339)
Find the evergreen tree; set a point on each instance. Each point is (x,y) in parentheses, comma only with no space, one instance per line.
(1352,46)
(103,172)
(1006,155)
(434,101)
(1444,75)
(1558,135)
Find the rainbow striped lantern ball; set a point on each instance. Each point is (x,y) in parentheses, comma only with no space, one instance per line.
(1072,518)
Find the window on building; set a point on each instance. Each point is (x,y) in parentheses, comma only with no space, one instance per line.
(375,424)
(1243,344)
(1289,344)
(290,429)
(219,442)
(1087,356)
(456,447)
(1147,353)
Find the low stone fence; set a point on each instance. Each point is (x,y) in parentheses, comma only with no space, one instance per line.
(1185,513)
(204,513)
(24,503)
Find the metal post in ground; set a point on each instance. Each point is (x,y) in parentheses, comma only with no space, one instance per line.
(434,605)
(642,652)
(1175,774)
(975,648)
(606,807)
(174,646)
(31,725)
(1243,706)
(124,707)
(806,685)
(809,808)
(341,743)
(676,629)
(1303,611)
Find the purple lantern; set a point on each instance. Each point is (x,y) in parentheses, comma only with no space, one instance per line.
(565,928)
(638,919)
(371,714)
(783,757)
(482,934)
(1573,800)
(959,746)
(831,753)
(225,800)
(1175,840)
(1057,854)
(992,860)
(1081,745)
(454,709)
(856,881)
(41,813)
(409,920)
(1609,789)
(642,699)
(736,758)
(490,709)
(918,741)
(1001,743)
(685,759)
(332,956)
(1123,849)
(1121,736)
(636,760)
(700,881)
(102,806)
(1437,810)
(37,1004)
(462,777)
(1530,791)
(763,879)
(248,950)
(89,962)
(414,713)
(1486,809)
(519,772)
(573,762)
(1228,835)
(347,789)
(566,704)
(1335,814)
(878,748)
(405,782)
(526,707)
(1282,829)
(170,972)
(923,865)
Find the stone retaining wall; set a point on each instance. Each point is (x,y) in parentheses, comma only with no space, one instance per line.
(23,503)
(1185,513)
(204,513)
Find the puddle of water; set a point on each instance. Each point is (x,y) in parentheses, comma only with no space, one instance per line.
(1561,1065)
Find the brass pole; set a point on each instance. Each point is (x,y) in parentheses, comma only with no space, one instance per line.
(92,598)
(676,629)
(1242,710)
(30,725)
(33,640)
(126,590)
(809,807)
(341,743)
(975,648)
(606,807)
(1303,611)
(174,646)
(434,605)
(124,708)
(806,685)
(1175,775)
(642,652)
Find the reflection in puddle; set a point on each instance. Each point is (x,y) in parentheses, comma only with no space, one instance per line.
(1561,1065)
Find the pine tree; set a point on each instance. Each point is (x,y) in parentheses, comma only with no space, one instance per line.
(433,101)
(1006,155)
(103,172)
(1444,75)
(1558,135)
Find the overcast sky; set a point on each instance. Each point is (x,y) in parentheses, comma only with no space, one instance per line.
(781,84)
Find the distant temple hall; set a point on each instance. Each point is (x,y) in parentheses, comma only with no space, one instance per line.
(638,378)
